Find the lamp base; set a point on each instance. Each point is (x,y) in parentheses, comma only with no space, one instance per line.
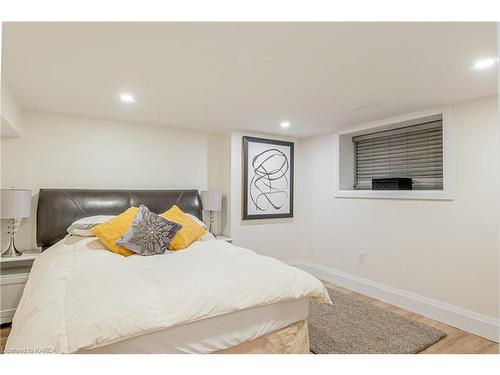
(11,250)
(211,223)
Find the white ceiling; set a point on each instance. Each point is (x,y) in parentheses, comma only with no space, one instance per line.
(251,76)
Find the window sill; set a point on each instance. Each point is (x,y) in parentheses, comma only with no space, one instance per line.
(396,194)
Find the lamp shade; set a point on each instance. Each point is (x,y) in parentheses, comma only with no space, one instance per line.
(211,200)
(15,203)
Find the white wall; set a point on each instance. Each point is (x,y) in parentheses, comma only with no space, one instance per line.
(278,238)
(446,250)
(59,151)
(11,113)
(219,174)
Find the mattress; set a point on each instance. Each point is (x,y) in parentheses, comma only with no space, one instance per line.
(213,334)
(81,297)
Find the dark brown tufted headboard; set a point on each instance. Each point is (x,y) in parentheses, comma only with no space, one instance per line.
(58,208)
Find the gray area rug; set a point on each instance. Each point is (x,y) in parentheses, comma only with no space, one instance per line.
(351,326)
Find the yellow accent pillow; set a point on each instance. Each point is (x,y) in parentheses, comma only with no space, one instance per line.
(189,232)
(110,231)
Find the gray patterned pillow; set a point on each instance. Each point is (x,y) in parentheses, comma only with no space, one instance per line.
(149,233)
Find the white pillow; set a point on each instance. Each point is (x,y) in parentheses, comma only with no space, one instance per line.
(81,227)
(197,221)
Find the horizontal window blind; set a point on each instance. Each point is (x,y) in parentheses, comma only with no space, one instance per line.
(415,151)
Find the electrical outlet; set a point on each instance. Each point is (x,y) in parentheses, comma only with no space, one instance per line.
(361,257)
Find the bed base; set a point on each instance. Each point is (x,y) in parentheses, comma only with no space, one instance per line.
(293,339)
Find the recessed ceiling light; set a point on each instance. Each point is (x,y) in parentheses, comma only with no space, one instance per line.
(485,63)
(127,98)
(285,124)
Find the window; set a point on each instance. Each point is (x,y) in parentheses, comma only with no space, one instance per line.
(413,151)
(416,145)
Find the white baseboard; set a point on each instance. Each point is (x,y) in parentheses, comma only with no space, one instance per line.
(467,320)
(6,316)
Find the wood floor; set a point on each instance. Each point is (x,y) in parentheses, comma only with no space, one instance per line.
(457,341)
(4,333)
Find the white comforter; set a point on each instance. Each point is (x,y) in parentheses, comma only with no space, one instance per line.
(79,296)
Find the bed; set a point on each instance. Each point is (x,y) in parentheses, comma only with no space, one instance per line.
(212,297)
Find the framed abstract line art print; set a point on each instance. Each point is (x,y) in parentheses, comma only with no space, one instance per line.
(267,178)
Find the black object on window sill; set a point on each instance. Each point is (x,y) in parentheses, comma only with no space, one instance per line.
(397,183)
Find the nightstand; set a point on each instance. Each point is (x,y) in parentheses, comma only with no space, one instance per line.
(14,273)
(224,238)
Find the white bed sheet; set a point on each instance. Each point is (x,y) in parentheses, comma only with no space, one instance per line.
(210,335)
(81,297)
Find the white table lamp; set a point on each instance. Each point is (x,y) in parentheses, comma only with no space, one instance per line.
(211,201)
(15,204)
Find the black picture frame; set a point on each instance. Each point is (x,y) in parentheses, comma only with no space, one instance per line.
(246,215)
